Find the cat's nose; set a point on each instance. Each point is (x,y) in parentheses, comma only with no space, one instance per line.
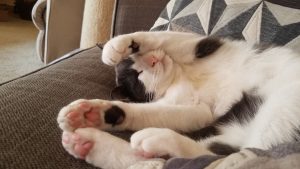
(151,60)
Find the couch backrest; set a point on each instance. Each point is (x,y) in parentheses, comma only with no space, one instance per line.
(136,15)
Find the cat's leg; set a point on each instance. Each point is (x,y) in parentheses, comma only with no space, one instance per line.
(99,148)
(162,141)
(118,115)
(182,47)
(104,150)
(157,142)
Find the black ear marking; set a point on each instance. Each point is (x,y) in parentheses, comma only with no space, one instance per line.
(207,46)
(134,46)
(114,116)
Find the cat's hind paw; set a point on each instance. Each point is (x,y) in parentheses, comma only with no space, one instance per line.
(99,148)
(77,145)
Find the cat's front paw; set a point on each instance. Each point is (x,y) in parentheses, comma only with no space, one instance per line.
(155,142)
(118,48)
(96,113)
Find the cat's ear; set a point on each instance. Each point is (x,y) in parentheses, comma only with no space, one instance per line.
(207,46)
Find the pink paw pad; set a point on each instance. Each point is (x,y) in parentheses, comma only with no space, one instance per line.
(84,116)
(81,146)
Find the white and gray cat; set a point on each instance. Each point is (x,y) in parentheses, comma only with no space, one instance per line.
(206,96)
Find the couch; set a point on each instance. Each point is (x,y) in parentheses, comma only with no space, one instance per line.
(59,24)
(30,137)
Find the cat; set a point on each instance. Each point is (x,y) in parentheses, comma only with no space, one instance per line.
(193,95)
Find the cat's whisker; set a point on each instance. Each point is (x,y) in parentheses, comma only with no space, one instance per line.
(152,87)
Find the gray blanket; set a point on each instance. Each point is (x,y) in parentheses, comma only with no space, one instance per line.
(284,156)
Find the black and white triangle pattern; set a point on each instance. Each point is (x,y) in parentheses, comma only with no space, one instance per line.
(253,20)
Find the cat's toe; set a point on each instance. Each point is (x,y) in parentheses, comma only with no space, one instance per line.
(111,56)
(76,145)
(117,49)
(151,142)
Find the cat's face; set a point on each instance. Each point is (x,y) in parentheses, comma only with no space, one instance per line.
(143,78)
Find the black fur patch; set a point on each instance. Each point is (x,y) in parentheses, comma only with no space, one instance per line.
(207,46)
(128,83)
(114,116)
(203,133)
(135,47)
(222,149)
(242,111)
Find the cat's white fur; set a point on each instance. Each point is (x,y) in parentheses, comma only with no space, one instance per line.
(190,94)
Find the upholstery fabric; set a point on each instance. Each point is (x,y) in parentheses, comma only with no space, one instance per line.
(257,21)
(64,21)
(29,134)
(38,11)
(136,15)
(39,19)
(62,29)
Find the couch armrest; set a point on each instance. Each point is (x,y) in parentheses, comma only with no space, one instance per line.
(38,18)
(38,12)
(63,28)
(59,22)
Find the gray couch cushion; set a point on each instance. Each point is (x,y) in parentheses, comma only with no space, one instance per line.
(30,137)
(271,21)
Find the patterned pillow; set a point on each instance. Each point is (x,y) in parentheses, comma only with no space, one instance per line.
(268,21)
